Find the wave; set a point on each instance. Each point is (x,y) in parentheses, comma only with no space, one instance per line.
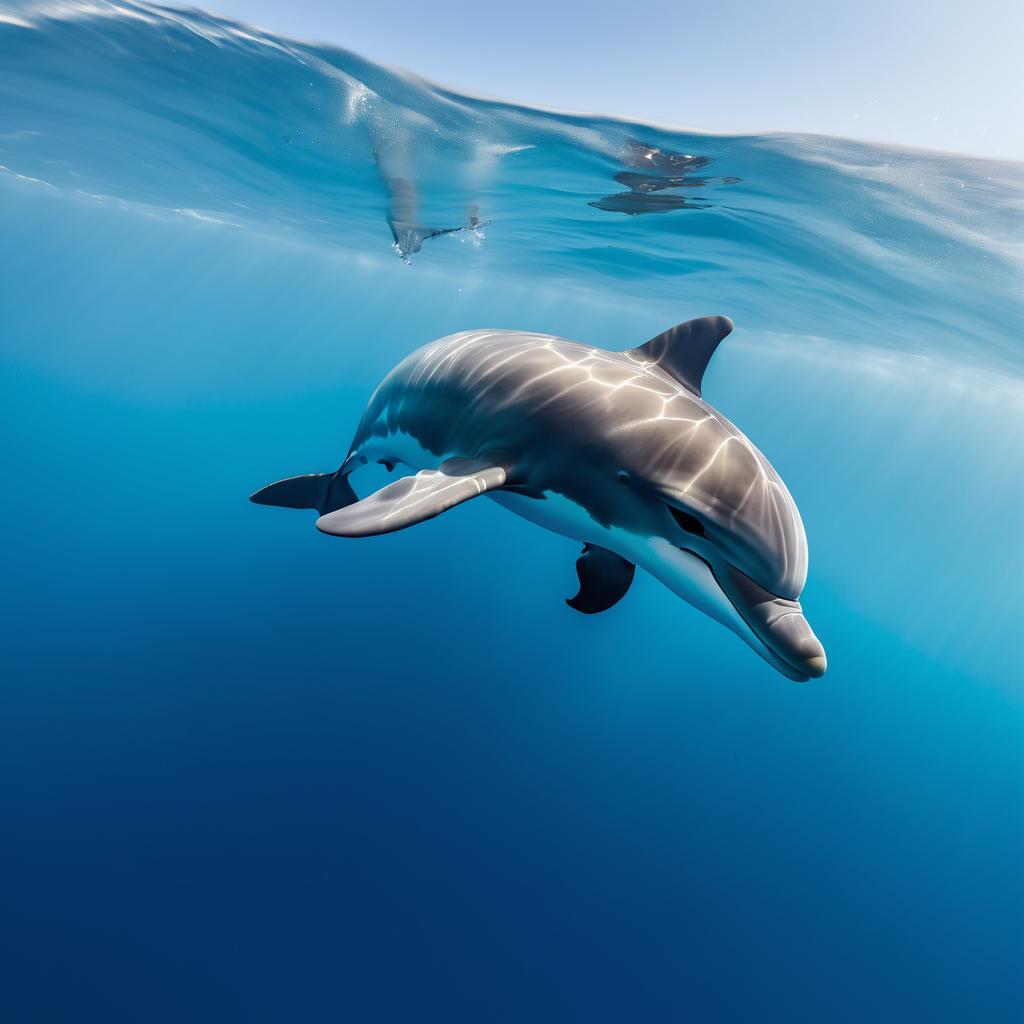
(199,116)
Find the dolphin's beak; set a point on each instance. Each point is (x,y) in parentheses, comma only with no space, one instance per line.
(780,625)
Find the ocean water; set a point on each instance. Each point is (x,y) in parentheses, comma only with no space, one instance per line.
(252,773)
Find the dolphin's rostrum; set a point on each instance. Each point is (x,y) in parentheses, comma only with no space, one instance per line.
(617,450)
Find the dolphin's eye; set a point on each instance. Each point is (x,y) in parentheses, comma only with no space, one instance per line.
(691,524)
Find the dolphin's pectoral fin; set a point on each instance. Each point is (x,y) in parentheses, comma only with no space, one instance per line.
(604,579)
(684,351)
(413,499)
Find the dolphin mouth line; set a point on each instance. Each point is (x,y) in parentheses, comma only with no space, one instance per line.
(805,658)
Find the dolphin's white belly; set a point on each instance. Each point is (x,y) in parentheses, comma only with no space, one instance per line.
(680,571)
(557,513)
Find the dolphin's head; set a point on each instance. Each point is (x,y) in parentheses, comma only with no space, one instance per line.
(728,538)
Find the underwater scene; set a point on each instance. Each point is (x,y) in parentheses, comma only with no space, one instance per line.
(255,772)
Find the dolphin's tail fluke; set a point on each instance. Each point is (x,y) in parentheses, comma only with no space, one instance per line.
(326,492)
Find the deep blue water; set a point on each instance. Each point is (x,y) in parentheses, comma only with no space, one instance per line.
(252,773)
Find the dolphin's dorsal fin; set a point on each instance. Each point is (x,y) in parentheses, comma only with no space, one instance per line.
(414,499)
(684,351)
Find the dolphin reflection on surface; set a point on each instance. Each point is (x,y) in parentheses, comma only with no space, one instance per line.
(653,170)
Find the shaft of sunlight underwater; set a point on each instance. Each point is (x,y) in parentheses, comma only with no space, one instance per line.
(254,773)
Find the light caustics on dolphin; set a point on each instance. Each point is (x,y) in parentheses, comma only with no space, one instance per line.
(617,450)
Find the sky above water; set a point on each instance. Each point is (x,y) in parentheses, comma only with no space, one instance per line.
(940,75)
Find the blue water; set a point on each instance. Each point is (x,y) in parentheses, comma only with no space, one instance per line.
(252,773)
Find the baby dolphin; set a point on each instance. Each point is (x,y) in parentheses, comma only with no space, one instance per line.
(617,450)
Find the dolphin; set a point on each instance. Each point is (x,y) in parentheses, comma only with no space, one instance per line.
(616,450)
